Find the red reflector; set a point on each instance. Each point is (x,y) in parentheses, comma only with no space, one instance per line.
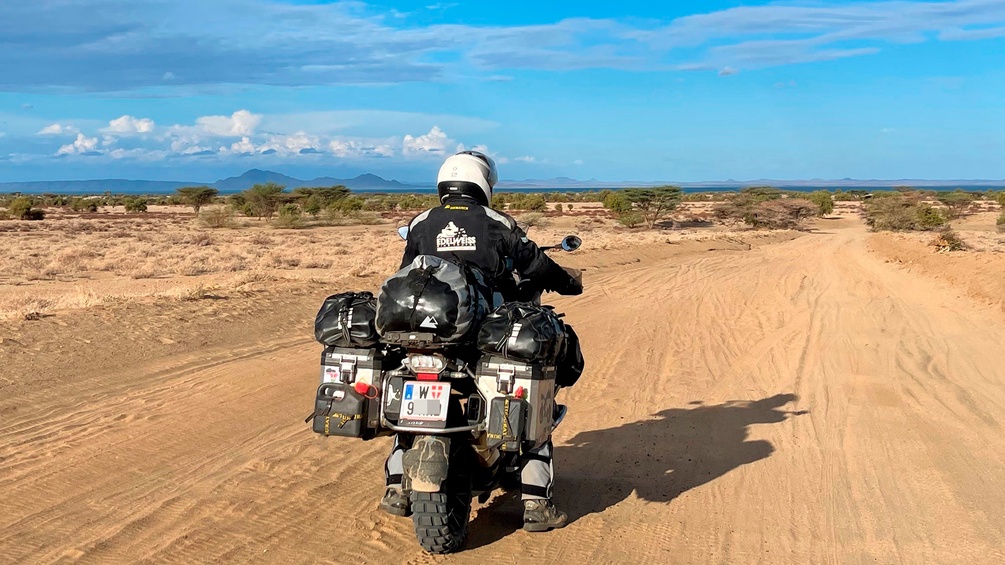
(428,376)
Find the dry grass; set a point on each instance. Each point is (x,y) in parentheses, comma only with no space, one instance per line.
(169,256)
(68,262)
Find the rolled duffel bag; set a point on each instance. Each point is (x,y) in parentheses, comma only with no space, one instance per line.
(523,331)
(571,364)
(433,296)
(347,320)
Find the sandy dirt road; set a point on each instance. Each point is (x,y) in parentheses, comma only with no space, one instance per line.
(802,402)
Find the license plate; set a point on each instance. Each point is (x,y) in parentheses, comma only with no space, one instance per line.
(426,402)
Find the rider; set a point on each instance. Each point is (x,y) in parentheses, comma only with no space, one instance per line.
(465,228)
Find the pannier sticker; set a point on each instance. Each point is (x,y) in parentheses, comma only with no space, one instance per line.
(392,394)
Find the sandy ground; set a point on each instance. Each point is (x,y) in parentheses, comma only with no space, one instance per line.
(782,399)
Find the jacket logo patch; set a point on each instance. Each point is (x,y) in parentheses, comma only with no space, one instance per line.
(453,238)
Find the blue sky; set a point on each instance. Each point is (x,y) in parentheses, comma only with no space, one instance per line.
(627,90)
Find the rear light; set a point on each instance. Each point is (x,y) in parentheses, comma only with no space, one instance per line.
(426,363)
(428,376)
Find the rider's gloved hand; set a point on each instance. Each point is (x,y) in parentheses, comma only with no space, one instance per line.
(574,286)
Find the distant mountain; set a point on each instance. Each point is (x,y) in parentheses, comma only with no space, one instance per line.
(252,177)
(362,182)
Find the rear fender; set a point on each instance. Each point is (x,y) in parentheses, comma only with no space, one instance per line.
(427,463)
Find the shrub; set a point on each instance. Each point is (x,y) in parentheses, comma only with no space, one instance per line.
(532,219)
(823,200)
(4,215)
(312,205)
(765,211)
(630,219)
(535,203)
(902,212)
(782,213)
(20,209)
(290,217)
(84,205)
(558,208)
(617,202)
(948,240)
(135,205)
(1001,222)
(349,204)
(1000,197)
(325,196)
(217,217)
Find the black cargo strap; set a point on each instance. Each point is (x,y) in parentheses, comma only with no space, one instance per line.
(317,412)
(394,480)
(426,275)
(527,456)
(533,490)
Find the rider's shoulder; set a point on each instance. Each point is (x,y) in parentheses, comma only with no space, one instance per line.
(419,218)
(499,217)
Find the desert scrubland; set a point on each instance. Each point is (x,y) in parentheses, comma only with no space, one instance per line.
(821,395)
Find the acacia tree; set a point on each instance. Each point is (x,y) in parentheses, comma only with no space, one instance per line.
(197,196)
(263,199)
(654,203)
(958,202)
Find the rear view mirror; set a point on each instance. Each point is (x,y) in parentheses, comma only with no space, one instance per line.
(403,232)
(571,243)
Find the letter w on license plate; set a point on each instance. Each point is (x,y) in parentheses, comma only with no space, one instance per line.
(425,401)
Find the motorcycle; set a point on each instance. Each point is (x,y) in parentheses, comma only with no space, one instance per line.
(465,418)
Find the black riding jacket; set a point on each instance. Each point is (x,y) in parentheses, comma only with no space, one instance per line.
(463,230)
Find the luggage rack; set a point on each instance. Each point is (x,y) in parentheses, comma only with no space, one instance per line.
(415,340)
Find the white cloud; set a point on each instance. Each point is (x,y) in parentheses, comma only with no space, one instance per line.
(128,153)
(433,143)
(194,149)
(345,148)
(128,124)
(239,124)
(358,149)
(243,147)
(526,159)
(577,162)
(81,145)
(300,141)
(57,129)
(726,71)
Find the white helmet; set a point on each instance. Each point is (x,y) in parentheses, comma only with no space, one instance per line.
(468,173)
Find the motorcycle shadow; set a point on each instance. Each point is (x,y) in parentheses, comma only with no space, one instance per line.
(501,517)
(661,458)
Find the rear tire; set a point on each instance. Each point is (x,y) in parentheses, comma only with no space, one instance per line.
(441,518)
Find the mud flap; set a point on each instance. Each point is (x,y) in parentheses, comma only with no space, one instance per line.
(426,463)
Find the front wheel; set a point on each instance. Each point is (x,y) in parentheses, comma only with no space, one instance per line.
(441,518)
